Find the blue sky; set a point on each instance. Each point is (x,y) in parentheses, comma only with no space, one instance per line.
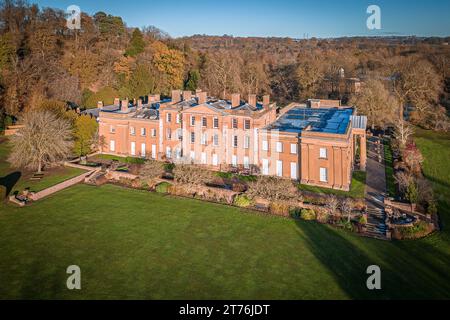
(283,18)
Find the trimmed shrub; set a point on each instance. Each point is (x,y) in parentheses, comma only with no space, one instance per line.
(168,167)
(163,187)
(362,220)
(346,225)
(242,201)
(418,230)
(279,209)
(308,215)
(133,160)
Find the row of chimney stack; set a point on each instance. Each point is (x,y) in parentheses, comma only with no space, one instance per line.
(252,100)
(177,95)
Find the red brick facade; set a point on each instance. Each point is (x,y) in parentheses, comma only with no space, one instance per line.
(219,134)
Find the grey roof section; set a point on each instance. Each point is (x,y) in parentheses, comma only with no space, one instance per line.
(147,113)
(324,120)
(359,122)
(96,111)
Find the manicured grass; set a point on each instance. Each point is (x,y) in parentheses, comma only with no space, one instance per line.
(138,245)
(435,148)
(389,167)
(118,158)
(357,188)
(51,178)
(17,180)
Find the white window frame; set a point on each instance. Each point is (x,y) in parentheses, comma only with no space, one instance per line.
(265,167)
(323,153)
(192,121)
(323,175)
(178,118)
(204,139)
(192,137)
(265,145)
(233,122)
(153,151)
(246,162)
(279,147)
(247,142)
(133,148)
(279,168)
(112,145)
(216,120)
(143,132)
(169,117)
(294,174)
(132,131)
(204,122)
(192,155)
(247,121)
(234,160)
(235,141)
(168,153)
(143,150)
(153,133)
(216,140)
(204,158)
(112,129)
(294,148)
(215,160)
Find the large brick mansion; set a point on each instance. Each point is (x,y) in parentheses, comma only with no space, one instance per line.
(313,143)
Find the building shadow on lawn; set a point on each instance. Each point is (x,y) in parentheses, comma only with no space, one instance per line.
(408,270)
(346,263)
(10,180)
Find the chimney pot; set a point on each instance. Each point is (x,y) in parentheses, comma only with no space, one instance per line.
(187,95)
(124,106)
(176,96)
(202,96)
(235,100)
(252,100)
(266,101)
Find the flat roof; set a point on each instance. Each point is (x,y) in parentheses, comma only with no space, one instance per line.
(324,120)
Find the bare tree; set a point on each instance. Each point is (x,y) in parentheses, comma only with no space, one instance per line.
(151,170)
(191,175)
(376,102)
(44,140)
(347,206)
(332,204)
(272,188)
(417,82)
(403,179)
(403,131)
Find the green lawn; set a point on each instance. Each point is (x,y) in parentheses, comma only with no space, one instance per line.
(356,190)
(118,158)
(435,148)
(17,180)
(135,244)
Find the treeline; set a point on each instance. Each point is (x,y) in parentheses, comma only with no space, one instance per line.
(42,60)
